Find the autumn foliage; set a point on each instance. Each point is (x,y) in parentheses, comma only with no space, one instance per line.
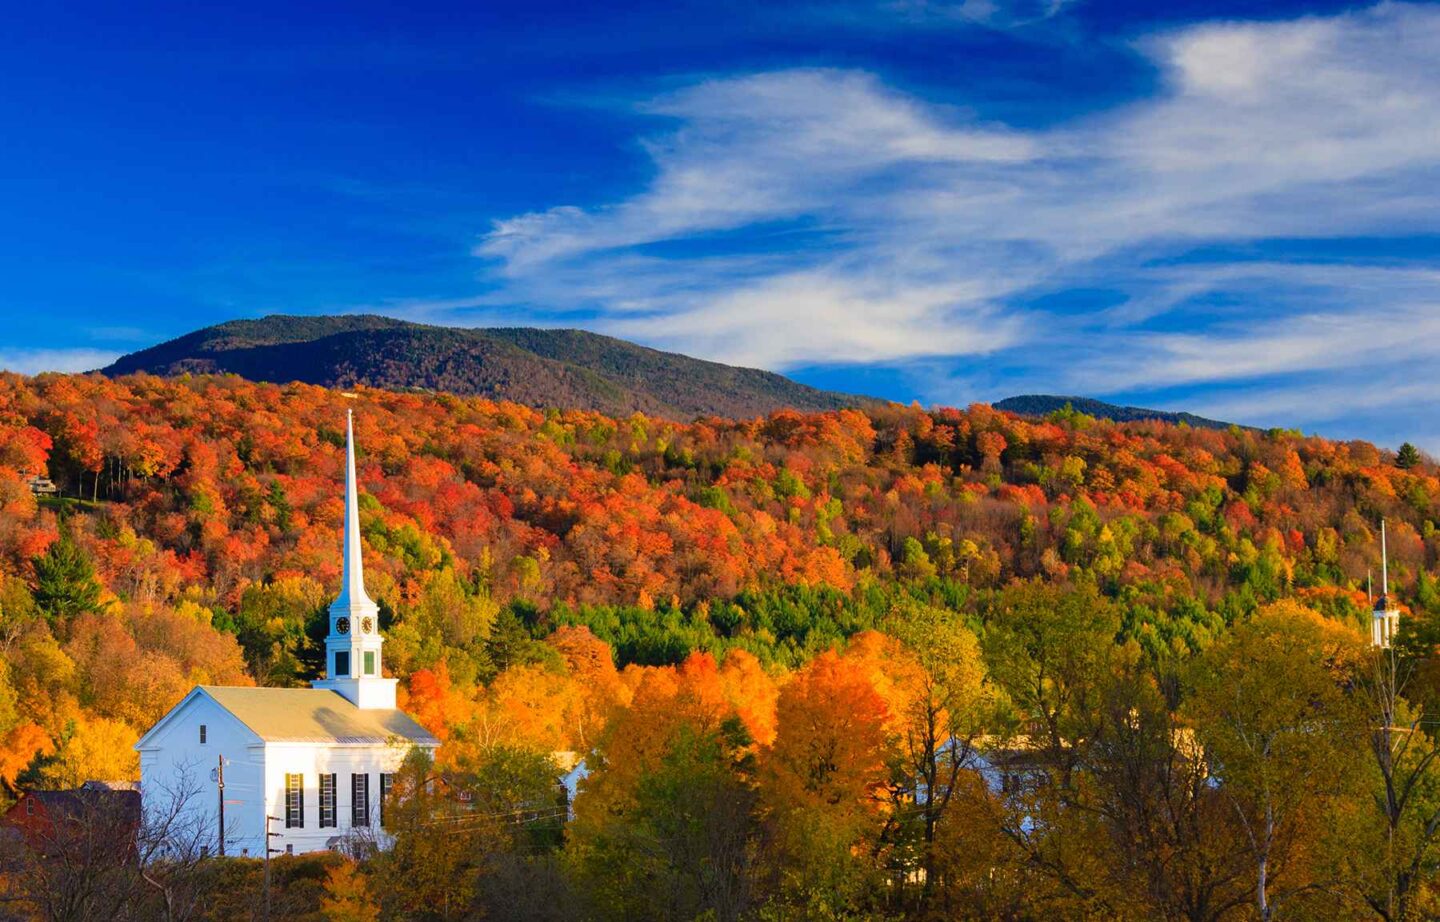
(836,665)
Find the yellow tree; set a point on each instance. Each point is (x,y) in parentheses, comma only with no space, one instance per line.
(18,749)
(529,705)
(346,897)
(430,870)
(665,824)
(933,681)
(94,748)
(1280,735)
(753,693)
(820,780)
(1158,839)
(1394,870)
(596,686)
(1050,650)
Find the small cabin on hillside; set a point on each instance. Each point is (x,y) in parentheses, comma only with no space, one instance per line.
(41,485)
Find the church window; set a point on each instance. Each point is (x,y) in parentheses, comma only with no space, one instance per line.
(369,662)
(327,801)
(202,734)
(342,663)
(294,801)
(360,800)
(386,781)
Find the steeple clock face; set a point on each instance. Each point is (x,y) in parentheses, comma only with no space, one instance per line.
(367,625)
(342,625)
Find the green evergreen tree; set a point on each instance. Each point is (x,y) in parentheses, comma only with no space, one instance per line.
(281,504)
(65,583)
(1407,457)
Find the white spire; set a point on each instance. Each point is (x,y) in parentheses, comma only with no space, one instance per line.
(1385,617)
(1384,563)
(352,648)
(352,584)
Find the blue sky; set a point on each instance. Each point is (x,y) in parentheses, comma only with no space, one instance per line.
(1223,207)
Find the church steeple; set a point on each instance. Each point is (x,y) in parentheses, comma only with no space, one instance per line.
(352,648)
(352,583)
(1385,619)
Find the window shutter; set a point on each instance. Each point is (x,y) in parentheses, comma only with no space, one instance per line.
(294,801)
(386,780)
(327,801)
(360,800)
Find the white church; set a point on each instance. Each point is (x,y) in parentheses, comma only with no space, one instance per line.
(317,761)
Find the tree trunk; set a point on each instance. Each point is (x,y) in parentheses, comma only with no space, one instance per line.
(1262,897)
(1261,903)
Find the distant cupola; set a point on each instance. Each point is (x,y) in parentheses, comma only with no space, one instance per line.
(1384,619)
(352,648)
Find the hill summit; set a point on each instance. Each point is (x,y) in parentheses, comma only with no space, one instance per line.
(1045,404)
(573,369)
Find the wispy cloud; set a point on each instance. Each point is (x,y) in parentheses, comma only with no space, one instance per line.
(1297,317)
(121,334)
(932,14)
(755,149)
(806,217)
(34,361)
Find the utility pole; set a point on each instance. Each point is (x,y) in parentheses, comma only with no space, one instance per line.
(268,851)
(219,776)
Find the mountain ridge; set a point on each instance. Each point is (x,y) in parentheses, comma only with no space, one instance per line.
(574,369)
(1045,404)
(561,368)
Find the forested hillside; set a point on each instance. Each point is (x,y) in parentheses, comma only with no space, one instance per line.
(1045,404)
(573,369)
(799,651)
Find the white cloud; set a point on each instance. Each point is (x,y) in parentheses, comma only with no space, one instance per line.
(790,319)
(1319,400)
(34,361)
(754,149)
(1311,318)
(812,216)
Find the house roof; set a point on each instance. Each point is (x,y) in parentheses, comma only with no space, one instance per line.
(81,803)
(314,715)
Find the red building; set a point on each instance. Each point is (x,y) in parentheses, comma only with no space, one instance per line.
(47,820)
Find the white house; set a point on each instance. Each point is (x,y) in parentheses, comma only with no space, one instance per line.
(317,760)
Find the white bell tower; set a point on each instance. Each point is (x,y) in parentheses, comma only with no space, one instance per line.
(352,648)
(1384,620)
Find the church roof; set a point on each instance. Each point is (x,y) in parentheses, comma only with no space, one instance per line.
(315,715)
